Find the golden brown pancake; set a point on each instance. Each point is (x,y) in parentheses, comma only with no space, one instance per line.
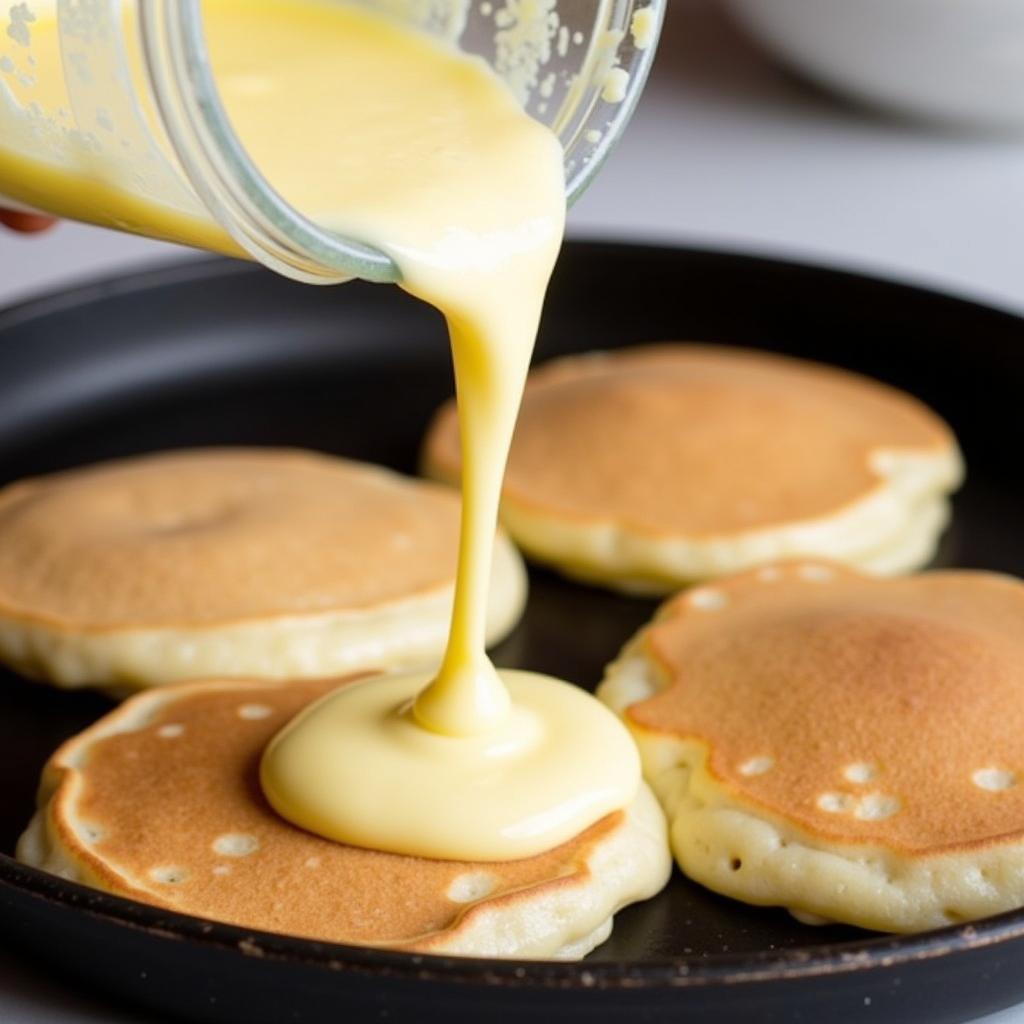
(650,467)
(160,801)
(248,562)
(848,747)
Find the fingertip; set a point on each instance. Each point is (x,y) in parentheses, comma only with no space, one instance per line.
(26,223)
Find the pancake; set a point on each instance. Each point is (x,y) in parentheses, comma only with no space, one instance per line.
(266,563)
(160,801)
(847,747)
(648,468)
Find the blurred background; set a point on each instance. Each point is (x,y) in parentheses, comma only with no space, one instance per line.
(731,148)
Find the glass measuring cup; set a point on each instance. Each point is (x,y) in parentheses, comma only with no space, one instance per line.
(122,99)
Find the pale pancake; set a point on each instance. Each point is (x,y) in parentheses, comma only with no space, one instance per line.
(269,563)
(847,747)
(160,801)
(647,468)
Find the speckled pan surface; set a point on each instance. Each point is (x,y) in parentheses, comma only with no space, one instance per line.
(222,353)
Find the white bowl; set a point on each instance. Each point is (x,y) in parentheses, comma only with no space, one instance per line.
(959,61)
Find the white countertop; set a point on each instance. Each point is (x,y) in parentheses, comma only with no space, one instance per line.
(725,151)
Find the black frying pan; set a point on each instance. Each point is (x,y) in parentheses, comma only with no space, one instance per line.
(221,353)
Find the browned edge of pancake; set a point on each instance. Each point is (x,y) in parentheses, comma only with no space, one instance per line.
(686,641)
(66,625)
(440,458)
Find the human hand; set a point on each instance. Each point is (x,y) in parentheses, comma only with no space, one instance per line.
(26,223)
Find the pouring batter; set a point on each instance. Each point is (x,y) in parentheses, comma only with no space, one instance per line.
(448,175)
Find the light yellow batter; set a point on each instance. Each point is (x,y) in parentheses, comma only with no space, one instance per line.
(512,791)
(392,138)
(467,193)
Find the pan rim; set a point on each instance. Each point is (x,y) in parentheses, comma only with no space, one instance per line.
(682,972)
